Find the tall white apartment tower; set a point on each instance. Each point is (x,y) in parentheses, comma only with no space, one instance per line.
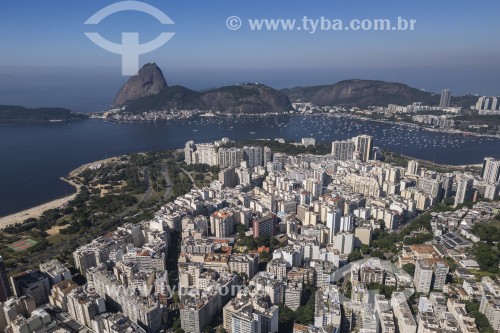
(445,99)
(363,145)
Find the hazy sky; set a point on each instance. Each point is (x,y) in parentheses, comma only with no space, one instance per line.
(43,46)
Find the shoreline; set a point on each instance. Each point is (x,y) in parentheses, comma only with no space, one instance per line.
(37,211)
(419,126)
(462,166)
(340,114)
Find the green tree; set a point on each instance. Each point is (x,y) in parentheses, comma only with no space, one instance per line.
(382,224)
(176,326)
(176,298)
(482,322)
(355,255)
(377,254)
(305,314)
(348,289)
(286,319)
(365,249)
(488,232)
(486,256)
(409,268)
(241,229)
(263,241)
(265,256)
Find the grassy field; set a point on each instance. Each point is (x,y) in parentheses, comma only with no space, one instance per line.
(58,238)
(480,274)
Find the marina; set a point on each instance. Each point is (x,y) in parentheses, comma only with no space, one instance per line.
(31,178)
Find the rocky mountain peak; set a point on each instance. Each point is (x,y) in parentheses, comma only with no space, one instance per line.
(147,82)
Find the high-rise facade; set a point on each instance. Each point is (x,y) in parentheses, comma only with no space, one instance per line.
(495,104)
(230,157)
(244,323)
(333,222)
(344,243)
(228,177)
(445,99)
(491,191)
(440,273)
(55,271)
(423,276)
(487,104)
(83,307)
(4,282)
(206,153)
(32,283)
(464,190)
(491,170)
(189,149)
(143,310)
(431,187)
(250,314)
(447,180)
(402,313)
(363,145)
(265,225)
(268,155)
(490,308)
(343,150)
(222,223)
(293,295)
(413,167)
(254,156)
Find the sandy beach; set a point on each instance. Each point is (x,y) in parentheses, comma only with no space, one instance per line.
(37,211)
(463,166)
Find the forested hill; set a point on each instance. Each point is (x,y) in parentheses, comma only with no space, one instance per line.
(19,114)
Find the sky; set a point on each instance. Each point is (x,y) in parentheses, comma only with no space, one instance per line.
(46,59)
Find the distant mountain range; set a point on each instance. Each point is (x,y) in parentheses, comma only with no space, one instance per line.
(148,90)
(363,93)
(19,114)
(155,94)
